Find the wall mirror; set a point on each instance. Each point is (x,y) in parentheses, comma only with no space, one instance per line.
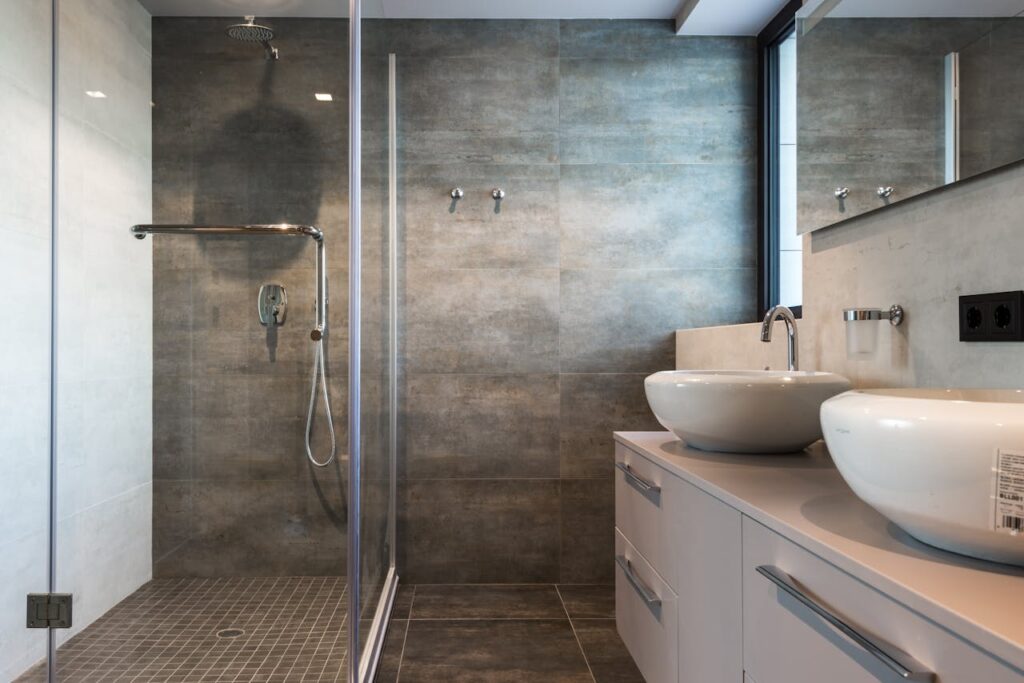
(899,97)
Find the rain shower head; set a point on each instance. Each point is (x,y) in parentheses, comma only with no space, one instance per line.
(251,32)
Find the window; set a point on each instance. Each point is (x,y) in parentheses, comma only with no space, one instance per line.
(780,261)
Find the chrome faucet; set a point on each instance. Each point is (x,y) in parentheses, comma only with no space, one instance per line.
(794,343)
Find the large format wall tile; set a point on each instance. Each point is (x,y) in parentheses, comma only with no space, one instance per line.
(481,426)
(592,407)
(658,216)
(624,321)
(481,320)
(240,139)
(587,531)
(479,530)
(476,231)
(666,101)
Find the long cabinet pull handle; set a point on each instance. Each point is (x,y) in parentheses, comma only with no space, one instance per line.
(648,594)
(902,664)
(645,484)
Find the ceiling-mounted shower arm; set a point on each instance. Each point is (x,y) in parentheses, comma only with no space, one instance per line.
(287,229)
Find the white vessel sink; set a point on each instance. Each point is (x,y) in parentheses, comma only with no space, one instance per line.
(939,463)
(742,411)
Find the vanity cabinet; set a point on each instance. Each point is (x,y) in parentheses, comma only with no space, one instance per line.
(705,593)
(681,547)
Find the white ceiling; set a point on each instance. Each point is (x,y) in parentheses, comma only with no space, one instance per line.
(710,17)
(731,17)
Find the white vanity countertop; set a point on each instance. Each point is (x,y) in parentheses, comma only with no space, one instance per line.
(803,498)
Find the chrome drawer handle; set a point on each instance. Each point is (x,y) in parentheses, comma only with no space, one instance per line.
(902,664)
(648,486)
(648,594)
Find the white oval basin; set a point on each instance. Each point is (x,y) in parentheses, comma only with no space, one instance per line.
(928,459)
(742,411)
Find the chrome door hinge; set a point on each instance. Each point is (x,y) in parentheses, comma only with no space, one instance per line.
(49,610)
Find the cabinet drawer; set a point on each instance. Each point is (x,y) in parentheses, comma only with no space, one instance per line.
(646,614)
(785,640)
(644,496)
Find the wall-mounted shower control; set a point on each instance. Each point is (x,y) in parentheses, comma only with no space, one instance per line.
(498,194)
(273,304)
(457,193)
(992,317)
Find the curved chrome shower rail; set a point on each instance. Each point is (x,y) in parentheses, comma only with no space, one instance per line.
(319,331)
(140,231)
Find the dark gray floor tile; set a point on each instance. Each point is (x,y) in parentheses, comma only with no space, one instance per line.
(476,651)
(403,601)
(391,655)
(467,601)
(588,601)
(283,625)
(479,530)
(606,654)
(481,426)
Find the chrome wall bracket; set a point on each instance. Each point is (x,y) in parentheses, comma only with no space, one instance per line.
(894,315)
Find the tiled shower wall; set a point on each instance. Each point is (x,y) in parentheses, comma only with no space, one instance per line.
(239,139)
(627,155)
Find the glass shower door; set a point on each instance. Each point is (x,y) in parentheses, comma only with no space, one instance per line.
(379,319)
(25,333)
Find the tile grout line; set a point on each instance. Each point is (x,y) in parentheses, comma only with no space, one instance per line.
(405,637)
(575,635)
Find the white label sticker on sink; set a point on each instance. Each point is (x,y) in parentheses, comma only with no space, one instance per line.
(1009,492)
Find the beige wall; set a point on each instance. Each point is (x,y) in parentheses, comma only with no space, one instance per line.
(922,253)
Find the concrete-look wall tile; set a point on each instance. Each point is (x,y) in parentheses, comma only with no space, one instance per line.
(479,530)
(257,528)
(476,231)
(472,39)
(481,426)
(172,515)
(623,321)
(592,407)
(481,320)
(658,216)
(672,100)
(587,531)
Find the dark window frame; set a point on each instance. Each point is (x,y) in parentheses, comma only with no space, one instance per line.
(768,40)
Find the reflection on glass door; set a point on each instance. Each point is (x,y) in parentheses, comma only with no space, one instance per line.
(25,243)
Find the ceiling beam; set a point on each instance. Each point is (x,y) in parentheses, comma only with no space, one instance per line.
(684,13)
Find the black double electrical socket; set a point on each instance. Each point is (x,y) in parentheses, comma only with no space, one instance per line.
(992,317)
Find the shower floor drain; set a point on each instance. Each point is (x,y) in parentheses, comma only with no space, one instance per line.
(230,633)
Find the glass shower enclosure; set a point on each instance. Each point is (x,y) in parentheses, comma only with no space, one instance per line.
(197,449)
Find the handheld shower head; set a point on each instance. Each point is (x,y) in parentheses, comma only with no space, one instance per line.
(251,32)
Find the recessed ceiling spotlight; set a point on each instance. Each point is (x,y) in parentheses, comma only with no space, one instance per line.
(96,94)
(324,96)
